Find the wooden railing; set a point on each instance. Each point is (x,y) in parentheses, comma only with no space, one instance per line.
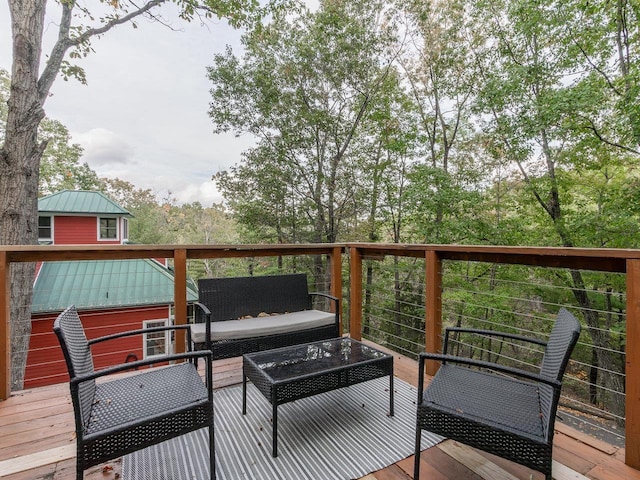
(180,255)
(606,260)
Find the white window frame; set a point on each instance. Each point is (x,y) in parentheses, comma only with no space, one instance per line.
(45,239)
(117,237)
(163,322)
(125,229)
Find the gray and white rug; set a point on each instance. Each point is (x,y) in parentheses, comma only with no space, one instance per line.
(338,435)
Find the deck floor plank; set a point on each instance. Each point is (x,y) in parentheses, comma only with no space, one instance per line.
(612,469)
(393,472)
(41,420)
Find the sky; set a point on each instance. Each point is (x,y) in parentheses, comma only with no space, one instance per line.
(143,115)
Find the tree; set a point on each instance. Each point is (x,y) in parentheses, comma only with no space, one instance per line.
(546,97)
(304,87)
(60,166)
(21,150)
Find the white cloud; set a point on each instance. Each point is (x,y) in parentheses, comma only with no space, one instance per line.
(143,115)
(103,148)
(206,193)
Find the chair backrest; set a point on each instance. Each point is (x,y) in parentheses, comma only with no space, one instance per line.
(563,338)
(234,297)
(77,354)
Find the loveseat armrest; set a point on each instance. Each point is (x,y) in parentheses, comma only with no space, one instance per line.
(336,306)
(204,310)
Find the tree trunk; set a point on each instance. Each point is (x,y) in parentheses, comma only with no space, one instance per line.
(593,377)
(20,158)
(602,341)
(366,308)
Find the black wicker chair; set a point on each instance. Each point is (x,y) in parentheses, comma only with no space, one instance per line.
(498,409)
(128,413)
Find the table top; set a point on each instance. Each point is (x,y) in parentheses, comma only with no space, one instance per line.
(296,361)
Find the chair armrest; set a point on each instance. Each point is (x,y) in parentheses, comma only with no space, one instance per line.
(207,328)
(493,366)
(493,333)
(206,354)
(202,307)
(142,331)
(335,300)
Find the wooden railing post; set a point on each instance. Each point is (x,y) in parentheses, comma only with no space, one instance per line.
(5,327)
(355,302)
(336,278)
(180,295)
(433,307)
(632,370)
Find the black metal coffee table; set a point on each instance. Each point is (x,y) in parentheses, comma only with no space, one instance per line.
(291,373)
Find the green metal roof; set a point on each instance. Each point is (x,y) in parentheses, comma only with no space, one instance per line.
(80,201)
(94,284)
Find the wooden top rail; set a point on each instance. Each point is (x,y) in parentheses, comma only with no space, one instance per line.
(50,253)
(610,260)
(597,259)
(624,261)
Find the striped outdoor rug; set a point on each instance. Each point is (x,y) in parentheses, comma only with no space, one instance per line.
(343,434)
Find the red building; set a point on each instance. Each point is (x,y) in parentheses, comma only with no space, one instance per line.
(111,296)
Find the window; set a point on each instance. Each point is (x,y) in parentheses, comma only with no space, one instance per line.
(155,343)
(44,228)
(108,228)
(125,229)
(191,315)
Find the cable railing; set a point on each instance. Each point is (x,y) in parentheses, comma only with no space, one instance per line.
(124,288)
(403,296)
(410,294)
(591,401)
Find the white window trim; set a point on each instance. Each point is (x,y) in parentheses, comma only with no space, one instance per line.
(125,229)
(167,338)
(100,239)
(51,228)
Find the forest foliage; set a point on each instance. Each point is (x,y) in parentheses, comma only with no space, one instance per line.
(500,122)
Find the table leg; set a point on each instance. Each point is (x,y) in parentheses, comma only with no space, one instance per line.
(274,453)
(244,394)
(391,395)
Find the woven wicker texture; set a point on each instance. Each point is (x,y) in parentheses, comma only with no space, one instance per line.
(231,298)
(78,357)
(122,415)
(500,402)
(300,371)
(108,412)
(505,415)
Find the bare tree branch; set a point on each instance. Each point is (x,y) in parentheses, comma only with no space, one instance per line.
(594,128)
(65,42)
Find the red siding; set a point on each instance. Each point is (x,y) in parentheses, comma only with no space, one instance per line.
(45,362)
(78,231)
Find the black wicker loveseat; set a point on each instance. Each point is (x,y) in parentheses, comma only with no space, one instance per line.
(251,314)
(499,409)
(131,412)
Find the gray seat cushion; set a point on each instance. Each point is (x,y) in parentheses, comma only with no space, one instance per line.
(261,326)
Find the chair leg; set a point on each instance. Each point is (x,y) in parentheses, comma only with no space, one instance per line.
(212,454)
(79,471)
(416,464)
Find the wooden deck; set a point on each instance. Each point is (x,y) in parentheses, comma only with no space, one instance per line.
(37,443)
